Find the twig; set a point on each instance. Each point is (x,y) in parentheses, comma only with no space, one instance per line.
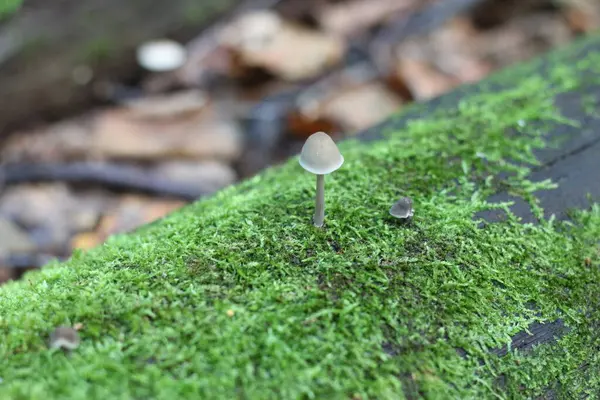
(114,176)
(24,261)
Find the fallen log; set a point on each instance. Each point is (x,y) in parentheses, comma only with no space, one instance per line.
(239,295)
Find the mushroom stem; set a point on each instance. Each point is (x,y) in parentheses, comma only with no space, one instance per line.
(320,202)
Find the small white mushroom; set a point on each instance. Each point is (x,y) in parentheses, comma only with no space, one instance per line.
(402,209)
(161,55)
(320,156)
(64,337)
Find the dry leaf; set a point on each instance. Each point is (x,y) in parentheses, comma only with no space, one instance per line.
(361,107)
(582,15)
(353,16)
(86,241)
(453,50)
(302,125)
(287,50)
(131,212)
(423,81)
(120,135)
(524,37)
(64,140)
(168,106)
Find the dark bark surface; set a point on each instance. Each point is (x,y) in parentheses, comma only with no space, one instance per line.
(573,161)
(113,176)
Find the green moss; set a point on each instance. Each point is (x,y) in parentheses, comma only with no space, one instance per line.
(364,308)
(589,103)
(9,7)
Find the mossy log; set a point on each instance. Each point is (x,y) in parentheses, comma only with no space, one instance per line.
(44,44)
(239,296)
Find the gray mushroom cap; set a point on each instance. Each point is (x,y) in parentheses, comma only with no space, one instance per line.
(320,155)
(402,208)
(64,337)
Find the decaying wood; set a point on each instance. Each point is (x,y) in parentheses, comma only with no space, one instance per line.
(574,164)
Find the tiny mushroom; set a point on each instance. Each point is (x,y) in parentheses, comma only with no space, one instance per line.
(402,209)
(320,156)
(64,337)
(161,55)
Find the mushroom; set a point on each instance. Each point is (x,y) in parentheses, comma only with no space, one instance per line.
(64,337)
(161,55)
(320,156)
(402,209)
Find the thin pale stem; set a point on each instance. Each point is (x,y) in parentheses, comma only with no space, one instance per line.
(320,202)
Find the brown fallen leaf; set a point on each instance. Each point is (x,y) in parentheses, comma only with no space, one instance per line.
(168,106)
(64,140)
(357,108)
(578,20)
(583,15)
(86,240)
(140,131)
(351,17)
(302,125)
(311,112)
(119,134)
(133,211)
(129,213)
(452,50)
(522,38)
(423,81)
(290,51)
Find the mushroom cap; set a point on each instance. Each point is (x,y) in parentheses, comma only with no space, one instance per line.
(402,208)
(320,155)
(161,55)
(64,337)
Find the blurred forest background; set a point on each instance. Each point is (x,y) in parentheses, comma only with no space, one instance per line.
(115,113)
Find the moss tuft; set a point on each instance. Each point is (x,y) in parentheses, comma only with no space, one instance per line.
(9,7)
